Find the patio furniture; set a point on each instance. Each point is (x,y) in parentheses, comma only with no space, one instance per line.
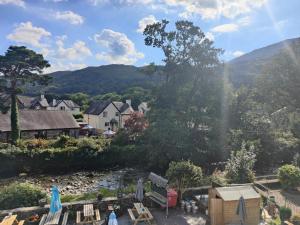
(11,220)
(52,218)
(159,190)
(89,215)
(140,213)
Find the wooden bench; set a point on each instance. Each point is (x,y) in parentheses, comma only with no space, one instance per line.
(97,213)
(65,218)
(131,215)
(43,219)
(78,215)
(21,222)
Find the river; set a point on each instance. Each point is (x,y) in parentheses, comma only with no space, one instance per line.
(80,182)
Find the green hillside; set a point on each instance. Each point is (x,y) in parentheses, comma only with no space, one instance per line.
(98,80)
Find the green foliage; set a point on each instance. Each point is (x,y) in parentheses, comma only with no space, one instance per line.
(14,119)
(20,66)
(20,195)
(289,176)
(185,116)
(184,174)
(98,80)
(239,168)
(219,177)
(285,213)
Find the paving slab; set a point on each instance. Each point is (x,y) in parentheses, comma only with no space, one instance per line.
(176,217)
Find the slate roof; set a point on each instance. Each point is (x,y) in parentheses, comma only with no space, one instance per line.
(122,107)
(97,107)
(234,193)
(26,101)
(40,120)
(42,101)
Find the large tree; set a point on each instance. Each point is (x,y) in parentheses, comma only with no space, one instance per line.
(185,114)
(18,67)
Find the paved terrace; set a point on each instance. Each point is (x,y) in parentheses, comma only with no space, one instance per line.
(176,217)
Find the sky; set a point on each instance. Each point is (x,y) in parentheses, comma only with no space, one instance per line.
(73,34)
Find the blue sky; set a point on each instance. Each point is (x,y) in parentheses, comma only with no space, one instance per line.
(74,34)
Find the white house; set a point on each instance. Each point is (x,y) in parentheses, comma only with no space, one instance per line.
(143,107)
(64,105)
(105,115)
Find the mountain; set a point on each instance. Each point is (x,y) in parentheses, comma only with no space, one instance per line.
(244,69)
(98,80)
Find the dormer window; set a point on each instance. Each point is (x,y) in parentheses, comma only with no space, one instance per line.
(117,113)
(104,114)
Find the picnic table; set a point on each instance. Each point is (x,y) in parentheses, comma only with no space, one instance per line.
(140,213)
(53,218)
(11,220)
(89,215)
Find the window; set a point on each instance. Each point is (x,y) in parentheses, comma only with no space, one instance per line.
(117,114)
(104,114)
(106,124)
(62,108)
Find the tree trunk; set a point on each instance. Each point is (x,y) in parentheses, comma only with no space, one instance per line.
(14,119)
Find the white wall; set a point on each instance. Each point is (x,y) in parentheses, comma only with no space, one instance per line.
(98,121)
(63,104)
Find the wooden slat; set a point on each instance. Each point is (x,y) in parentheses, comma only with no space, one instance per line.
(132,217)
(78,215)
(97,215)
(21,222)
(88,210)
(9,220)
(148,213)
(43,219)
(65,219)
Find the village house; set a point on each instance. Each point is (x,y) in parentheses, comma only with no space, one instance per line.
(41,103)
(64,105)
(108,115)
(143,107)
(40,124)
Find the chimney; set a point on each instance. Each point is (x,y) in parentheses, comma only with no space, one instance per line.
(54,102)
(128,101)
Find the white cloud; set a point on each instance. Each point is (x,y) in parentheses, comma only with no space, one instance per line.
(121,2)
(70,17)
(20,3)
(26,33)
(58,66)
(119,48)
(225,28)
(212,9)
(238,53)
(78,51)
(146,21)
(231,27)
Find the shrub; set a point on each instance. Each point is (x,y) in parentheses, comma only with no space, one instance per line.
(20,195)
(296,219)
(87,144)
(289,176)
(239,168)
(61,141)
(219,177)
(285,213)
(184,174)
(36,143)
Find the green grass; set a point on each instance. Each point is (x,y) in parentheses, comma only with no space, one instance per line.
(104,192)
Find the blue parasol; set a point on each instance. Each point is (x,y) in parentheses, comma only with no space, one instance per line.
(112,219)
(55,204)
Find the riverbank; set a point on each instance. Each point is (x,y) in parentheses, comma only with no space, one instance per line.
(80,182)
